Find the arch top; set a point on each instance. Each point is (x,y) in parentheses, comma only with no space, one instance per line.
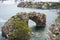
(38,18)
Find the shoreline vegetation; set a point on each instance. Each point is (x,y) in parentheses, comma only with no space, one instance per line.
(40,5)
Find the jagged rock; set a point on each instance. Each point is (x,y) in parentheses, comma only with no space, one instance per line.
(16,28)
(55,32)
(39,5)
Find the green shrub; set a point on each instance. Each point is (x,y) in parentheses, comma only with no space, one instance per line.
(21,30)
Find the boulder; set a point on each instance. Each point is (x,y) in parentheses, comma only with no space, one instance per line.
(55,31)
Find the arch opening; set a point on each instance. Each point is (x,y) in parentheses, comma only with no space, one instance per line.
(31,23)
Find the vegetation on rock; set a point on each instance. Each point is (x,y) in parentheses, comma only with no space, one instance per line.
(21,30)
(16,28)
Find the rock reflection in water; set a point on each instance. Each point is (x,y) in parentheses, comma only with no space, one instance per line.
(39,28)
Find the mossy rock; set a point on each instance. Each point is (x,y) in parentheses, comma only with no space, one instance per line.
(21,31)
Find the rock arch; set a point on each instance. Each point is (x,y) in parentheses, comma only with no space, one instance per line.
(38,18)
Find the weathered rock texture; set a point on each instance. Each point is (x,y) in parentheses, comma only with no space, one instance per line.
(16,28)
(40,5)
(54,32)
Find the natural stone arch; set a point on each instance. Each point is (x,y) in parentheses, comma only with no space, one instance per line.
(38,18)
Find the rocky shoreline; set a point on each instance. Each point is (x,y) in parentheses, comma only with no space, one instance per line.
(39,5)
(55,30)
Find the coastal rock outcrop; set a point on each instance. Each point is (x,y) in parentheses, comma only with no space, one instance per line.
(16,28)
(39,5)
(54,32)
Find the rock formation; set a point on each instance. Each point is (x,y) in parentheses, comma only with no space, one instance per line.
(39,5)
(16,28)
(54,32)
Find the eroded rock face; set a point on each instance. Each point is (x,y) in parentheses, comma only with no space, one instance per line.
(54,32)
(39,19)
(21,20)
(39,5)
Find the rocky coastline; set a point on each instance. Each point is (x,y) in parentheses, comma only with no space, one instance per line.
(55,30)
(40,5)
